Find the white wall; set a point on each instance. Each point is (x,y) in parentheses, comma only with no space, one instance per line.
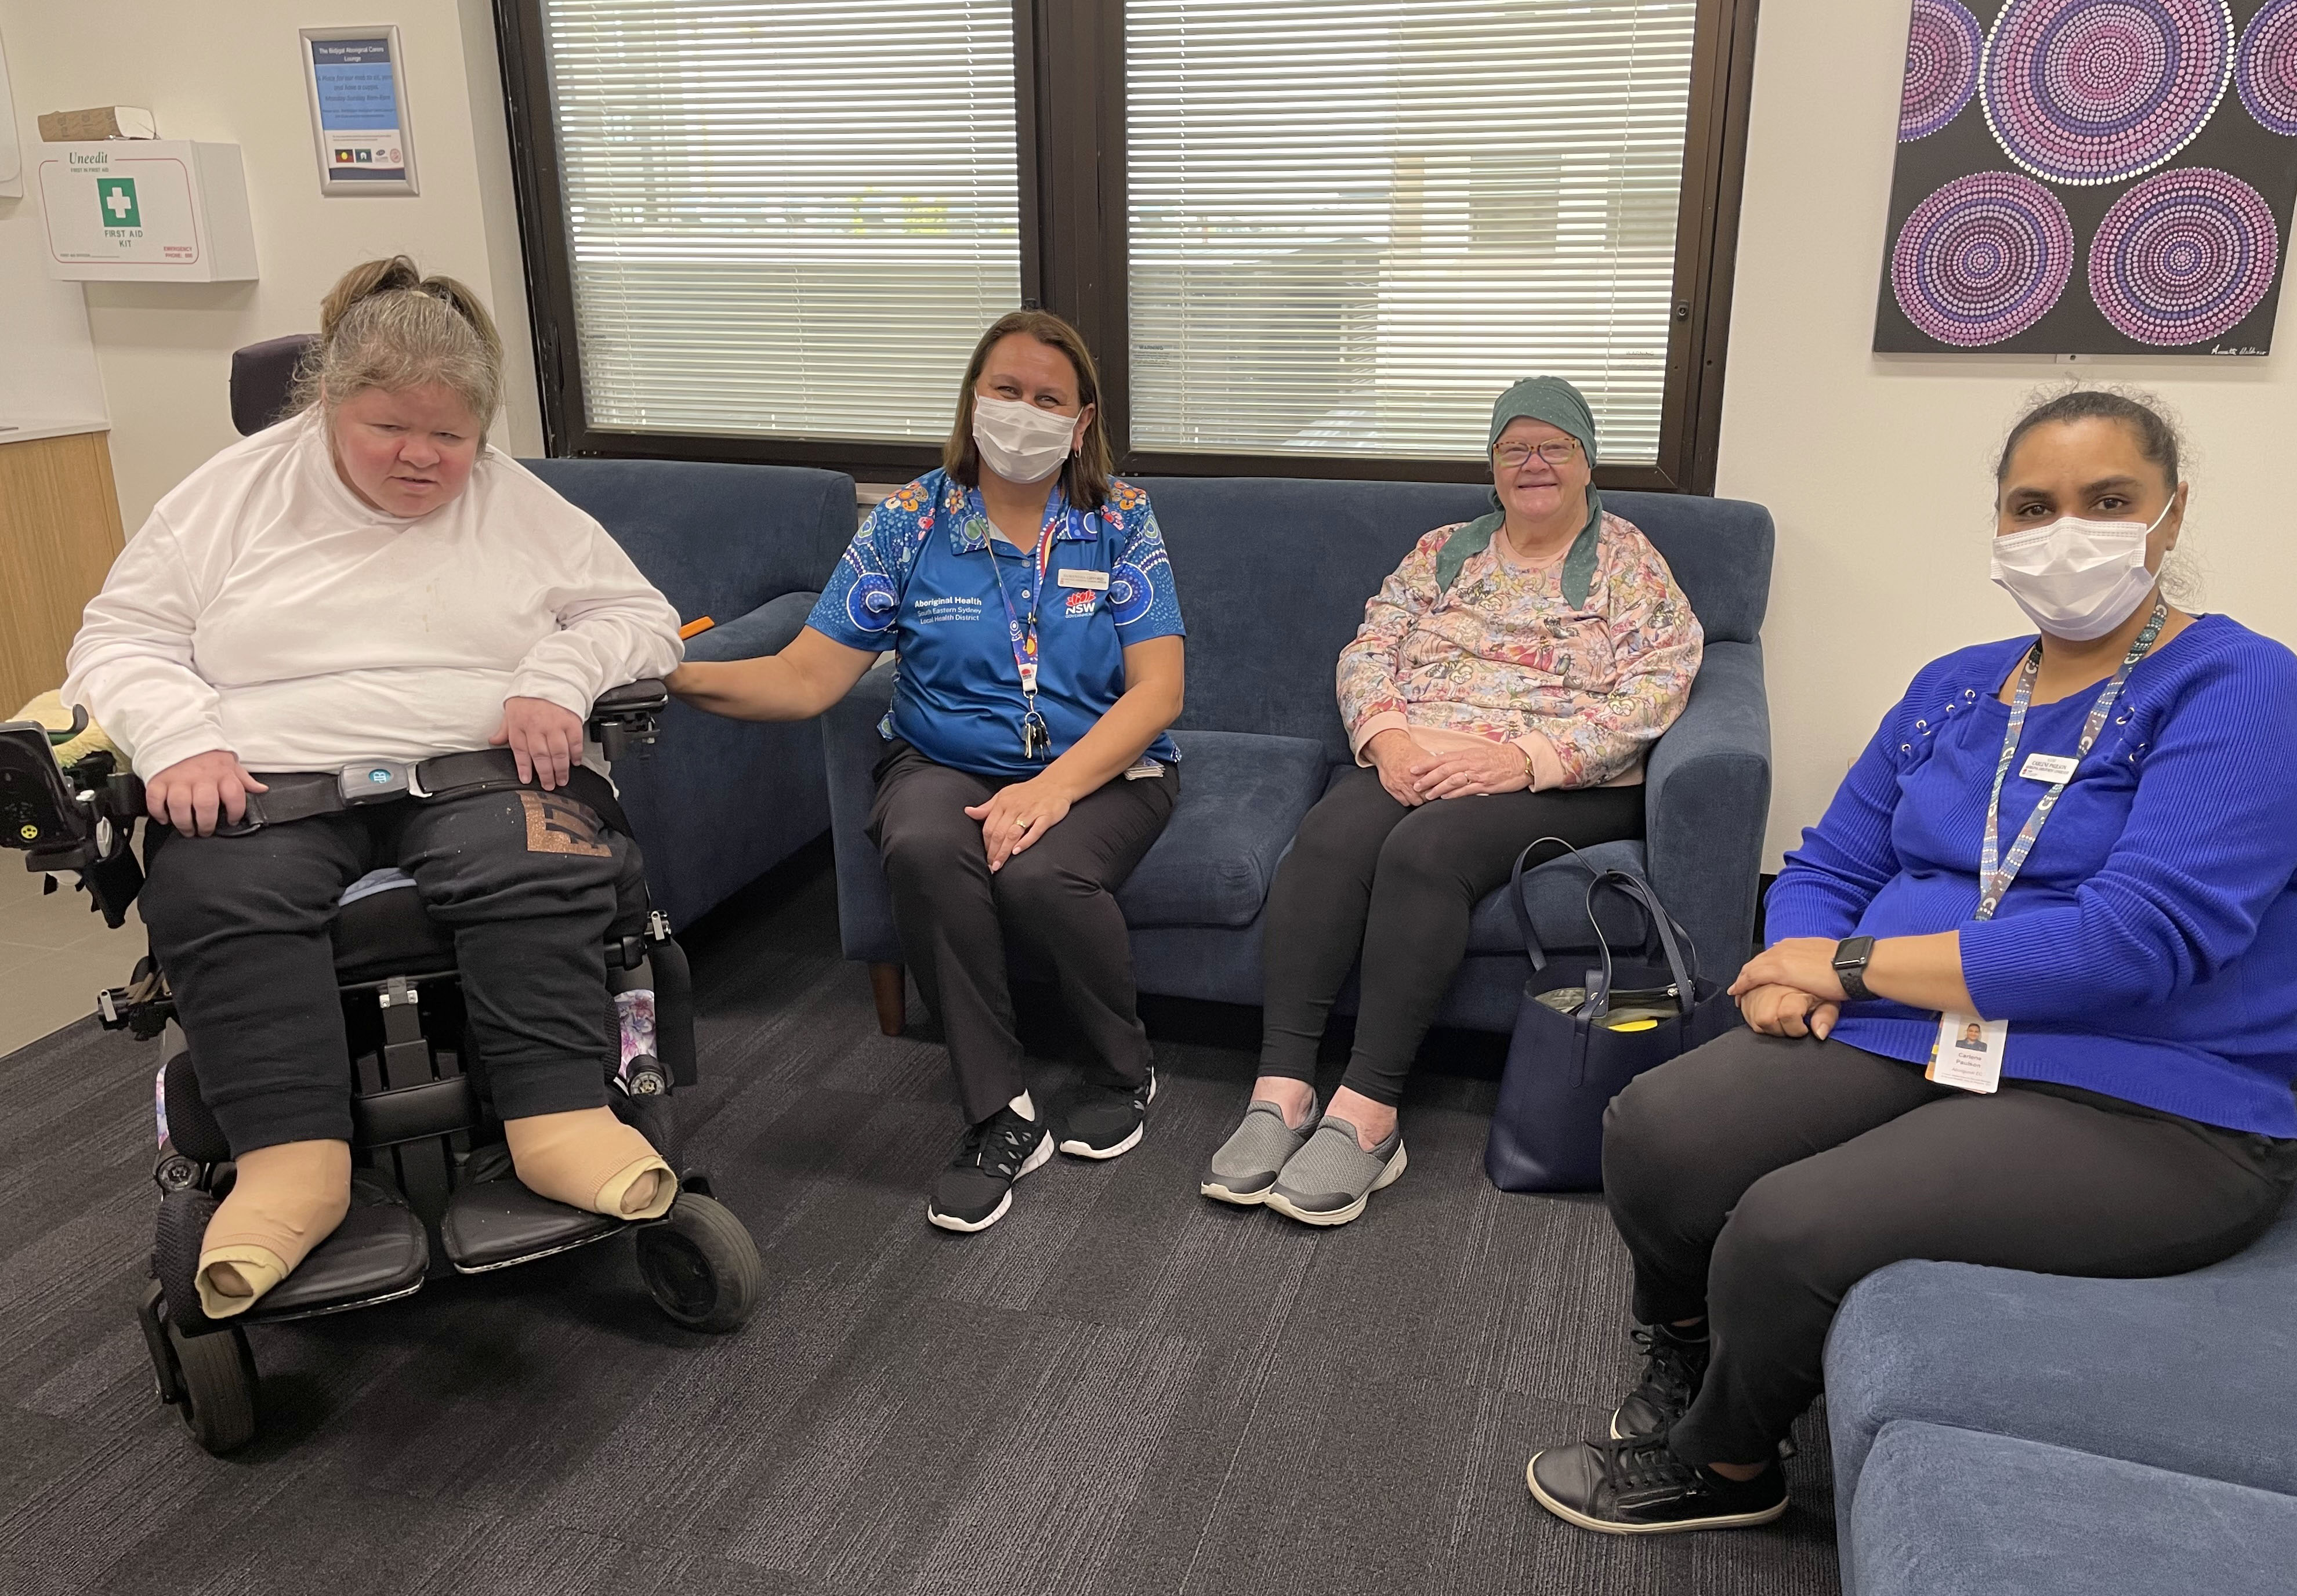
(47,362)
(1879,468)
(230,72)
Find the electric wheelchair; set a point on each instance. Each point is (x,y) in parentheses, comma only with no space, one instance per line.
(432,1191)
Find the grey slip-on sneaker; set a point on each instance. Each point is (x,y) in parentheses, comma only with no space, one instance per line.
(1331,1178)
(1249,1161)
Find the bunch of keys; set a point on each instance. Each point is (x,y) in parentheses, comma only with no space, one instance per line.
(1036,736)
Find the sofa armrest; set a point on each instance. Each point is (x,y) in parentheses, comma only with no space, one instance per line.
(1707,803)
(2195,1373)
(851,746)
(771,627)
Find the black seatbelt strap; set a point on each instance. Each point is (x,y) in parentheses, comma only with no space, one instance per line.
(297,795)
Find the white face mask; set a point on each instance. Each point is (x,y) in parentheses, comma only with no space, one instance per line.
(2075,579)
(1021,442)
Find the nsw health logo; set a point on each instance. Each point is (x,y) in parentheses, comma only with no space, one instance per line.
(116,197)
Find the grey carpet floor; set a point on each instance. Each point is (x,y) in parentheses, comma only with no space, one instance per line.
(1120,1388)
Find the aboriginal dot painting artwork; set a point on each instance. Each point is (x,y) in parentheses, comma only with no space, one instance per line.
(2091,177)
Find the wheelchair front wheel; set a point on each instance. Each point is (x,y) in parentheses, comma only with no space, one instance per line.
(215,1382)
(700,1266)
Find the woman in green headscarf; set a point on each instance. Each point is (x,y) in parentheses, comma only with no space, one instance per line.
(1525,661)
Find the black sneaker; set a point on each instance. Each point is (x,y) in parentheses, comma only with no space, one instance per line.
(1641,1488)
(1673,1370)
(1100,1122)
(975,1189)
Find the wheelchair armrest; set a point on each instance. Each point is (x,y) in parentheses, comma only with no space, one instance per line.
(627,714)
(80,819)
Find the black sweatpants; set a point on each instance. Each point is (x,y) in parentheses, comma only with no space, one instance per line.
(1757,1178)
(526,880)
(1371,876)
(1057,899)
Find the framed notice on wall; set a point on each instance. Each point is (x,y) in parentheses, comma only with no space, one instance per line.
(358,87)
(2091,177)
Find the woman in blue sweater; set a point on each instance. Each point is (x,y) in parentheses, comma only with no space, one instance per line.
(2075,853)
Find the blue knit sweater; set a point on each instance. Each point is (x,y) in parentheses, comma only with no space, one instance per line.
(2148,950)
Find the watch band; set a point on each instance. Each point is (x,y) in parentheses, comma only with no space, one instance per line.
(1850,956)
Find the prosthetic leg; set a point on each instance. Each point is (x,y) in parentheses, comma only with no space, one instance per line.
(285,1201)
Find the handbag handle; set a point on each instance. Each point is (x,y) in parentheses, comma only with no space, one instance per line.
(1538,955)
(1664,928)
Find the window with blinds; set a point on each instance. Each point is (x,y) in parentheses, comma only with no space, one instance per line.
(785,218)
(1352,222)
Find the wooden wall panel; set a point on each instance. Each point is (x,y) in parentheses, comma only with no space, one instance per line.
(59,534)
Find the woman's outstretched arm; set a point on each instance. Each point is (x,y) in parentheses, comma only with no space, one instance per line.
(797,684)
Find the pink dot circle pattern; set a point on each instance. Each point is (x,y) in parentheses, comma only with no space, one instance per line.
(1982,259)
(2096,91)
(2184,257)
(2266,73)
(1942,52)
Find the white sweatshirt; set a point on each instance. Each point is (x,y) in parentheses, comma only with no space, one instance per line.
(264,609)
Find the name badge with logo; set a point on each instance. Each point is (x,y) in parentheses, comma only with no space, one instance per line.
(1097,580)
(2049,767)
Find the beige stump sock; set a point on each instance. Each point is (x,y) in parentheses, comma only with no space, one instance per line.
(285,1201)
(586,1158)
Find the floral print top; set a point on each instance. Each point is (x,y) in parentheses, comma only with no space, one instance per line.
(1503,657)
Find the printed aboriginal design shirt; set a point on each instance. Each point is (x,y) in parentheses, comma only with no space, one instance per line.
(925,578)
(1502,655)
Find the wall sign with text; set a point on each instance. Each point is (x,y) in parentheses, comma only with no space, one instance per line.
(357,85)
(2091,177)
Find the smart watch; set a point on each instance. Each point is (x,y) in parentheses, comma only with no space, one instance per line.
(1850,956)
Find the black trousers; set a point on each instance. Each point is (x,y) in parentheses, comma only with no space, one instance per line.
(1369,876)
(1756,1180)
(1057,900)
(527,881)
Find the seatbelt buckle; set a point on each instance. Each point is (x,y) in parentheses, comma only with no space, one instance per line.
(375,781)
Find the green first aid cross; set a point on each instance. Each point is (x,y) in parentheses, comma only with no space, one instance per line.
(117,197)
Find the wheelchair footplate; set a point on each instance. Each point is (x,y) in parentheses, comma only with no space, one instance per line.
(492,1222)
(379,1253)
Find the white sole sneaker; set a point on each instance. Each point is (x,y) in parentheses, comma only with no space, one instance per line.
(1242,1199)
(1085,1149)
(1034,1161)
(1340,1216)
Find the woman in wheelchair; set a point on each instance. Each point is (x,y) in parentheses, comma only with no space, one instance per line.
(358,589)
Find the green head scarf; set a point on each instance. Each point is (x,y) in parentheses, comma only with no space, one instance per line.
(1560,405)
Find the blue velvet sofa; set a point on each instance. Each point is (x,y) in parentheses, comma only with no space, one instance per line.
(1273,576)
(1995,1430)
(719,803)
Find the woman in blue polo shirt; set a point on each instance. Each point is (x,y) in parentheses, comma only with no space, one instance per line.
(1027,768)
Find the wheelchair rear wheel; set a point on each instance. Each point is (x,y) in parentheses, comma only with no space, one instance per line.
(215,1382)
(700,1266)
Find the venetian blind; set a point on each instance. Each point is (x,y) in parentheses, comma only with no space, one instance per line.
(1352,222)
(786,218)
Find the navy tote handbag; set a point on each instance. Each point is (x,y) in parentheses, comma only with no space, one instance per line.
(1575,1048)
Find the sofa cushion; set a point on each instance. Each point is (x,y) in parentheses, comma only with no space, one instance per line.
(1274,573)
(1943,1512)
(717,540)
(1242,795)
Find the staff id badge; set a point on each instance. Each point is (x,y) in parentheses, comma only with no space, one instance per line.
(1968,1052)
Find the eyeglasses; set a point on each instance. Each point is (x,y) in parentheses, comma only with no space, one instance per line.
(1555,451)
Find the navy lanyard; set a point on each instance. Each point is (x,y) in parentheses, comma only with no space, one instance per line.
(1036,736)
(1996,874)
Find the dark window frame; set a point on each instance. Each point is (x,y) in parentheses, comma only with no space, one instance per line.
(1069,76)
